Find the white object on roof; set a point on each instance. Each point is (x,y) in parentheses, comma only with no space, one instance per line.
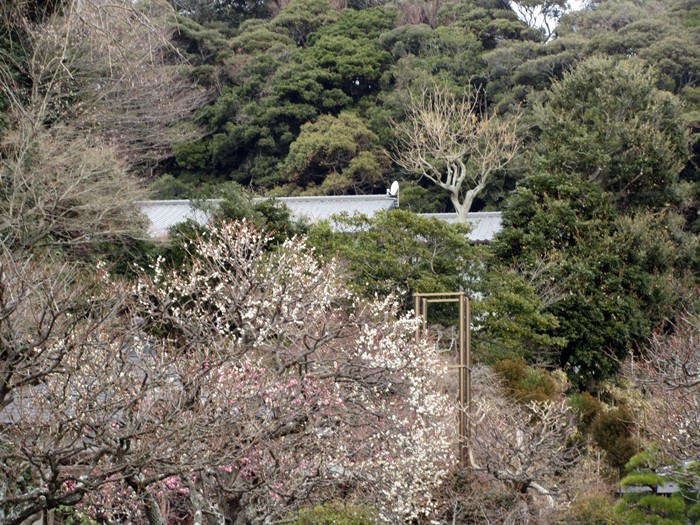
(484,224)
(394,190)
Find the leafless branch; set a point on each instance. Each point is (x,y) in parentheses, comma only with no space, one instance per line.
(668,373)
(452,143)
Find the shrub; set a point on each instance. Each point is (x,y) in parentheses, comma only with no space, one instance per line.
(612,431)
(525,383)
(592,509)
(337,513)
(587,407)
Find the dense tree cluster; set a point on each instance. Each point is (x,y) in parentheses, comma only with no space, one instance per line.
(265,371)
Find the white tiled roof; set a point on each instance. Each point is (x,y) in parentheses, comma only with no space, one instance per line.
(165,214)
(315,209)
(485,224)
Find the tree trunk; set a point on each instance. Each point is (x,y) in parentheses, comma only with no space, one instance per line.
(150,506)
(152,510)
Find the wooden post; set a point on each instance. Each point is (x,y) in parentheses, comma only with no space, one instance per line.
(421,302)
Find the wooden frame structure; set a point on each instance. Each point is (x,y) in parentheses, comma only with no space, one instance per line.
(421,302)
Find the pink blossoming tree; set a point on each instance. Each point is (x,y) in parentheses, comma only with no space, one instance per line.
(248,384)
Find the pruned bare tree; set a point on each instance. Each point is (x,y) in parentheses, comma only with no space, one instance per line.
(527,447)
(524,468)
(453,143)
(668,373)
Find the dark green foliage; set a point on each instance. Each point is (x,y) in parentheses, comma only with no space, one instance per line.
(267,215)
(311,60)
(336,156)
(606,122)
(401,253)
(612,431)
(168,187)
(14,49)
(658,38)
(233,204)
(607,278)
(191,155)
(419,199)
(354,65)
(366,24)
(664,35)
(301,18)
(35,10)
(491,21)
(513,321)
(202,45)
(260,40)
(125,257)
(549,213)
(283,87)
(650,509)
(223,14)
(526,383)
(274,76)
(410,39)
(174,253)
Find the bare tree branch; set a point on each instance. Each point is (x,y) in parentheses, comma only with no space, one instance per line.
(106,67)
(668,373)
(255,380)
(452,143)
(525,446)
(59,189)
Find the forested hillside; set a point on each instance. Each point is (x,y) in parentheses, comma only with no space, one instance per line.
(307,98)
(266,371)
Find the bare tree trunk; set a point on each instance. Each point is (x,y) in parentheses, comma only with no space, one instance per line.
(152,509)
(200,505)
(462,207)
(453,143)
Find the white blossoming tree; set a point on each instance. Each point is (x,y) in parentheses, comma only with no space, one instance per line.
(254,383)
